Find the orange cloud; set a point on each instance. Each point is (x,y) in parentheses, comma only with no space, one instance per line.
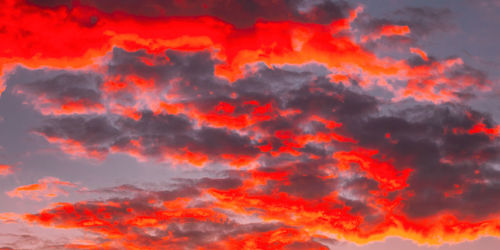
(10,217)
(383,172)
(387,30)
(46,188)
(419,52)
(5,170)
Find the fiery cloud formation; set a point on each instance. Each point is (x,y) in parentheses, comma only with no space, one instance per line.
(301,134)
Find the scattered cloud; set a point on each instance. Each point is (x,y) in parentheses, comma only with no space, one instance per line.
(45,189)
(5,170)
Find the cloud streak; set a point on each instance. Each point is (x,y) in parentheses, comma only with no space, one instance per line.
(44,189)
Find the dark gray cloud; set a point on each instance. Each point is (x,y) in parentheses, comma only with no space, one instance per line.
(158,135)
(61,91)
(434,141)
(241,14)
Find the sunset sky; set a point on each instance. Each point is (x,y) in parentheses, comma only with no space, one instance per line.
(256,124)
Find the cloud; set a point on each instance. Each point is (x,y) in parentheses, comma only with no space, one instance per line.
(161,136)
(45,189)
(265,42)
(285,104)
(241,14)
(5,170)
(64,93)
(387,30)
(207,211)
(30,241)
(300,146)
(172,218)
(433,140)
(10,217)
(309,153)
(414,23)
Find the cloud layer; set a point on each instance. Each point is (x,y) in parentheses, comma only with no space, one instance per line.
(304,134)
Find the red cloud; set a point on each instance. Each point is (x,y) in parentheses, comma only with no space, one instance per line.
(272,43)
(172,224)
(283,238)
(177,218)
(5,170)
(46,188)
(281,101)
(383,172)
(387,30)
(420,53)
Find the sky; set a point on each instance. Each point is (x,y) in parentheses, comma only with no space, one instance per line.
(284,124)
